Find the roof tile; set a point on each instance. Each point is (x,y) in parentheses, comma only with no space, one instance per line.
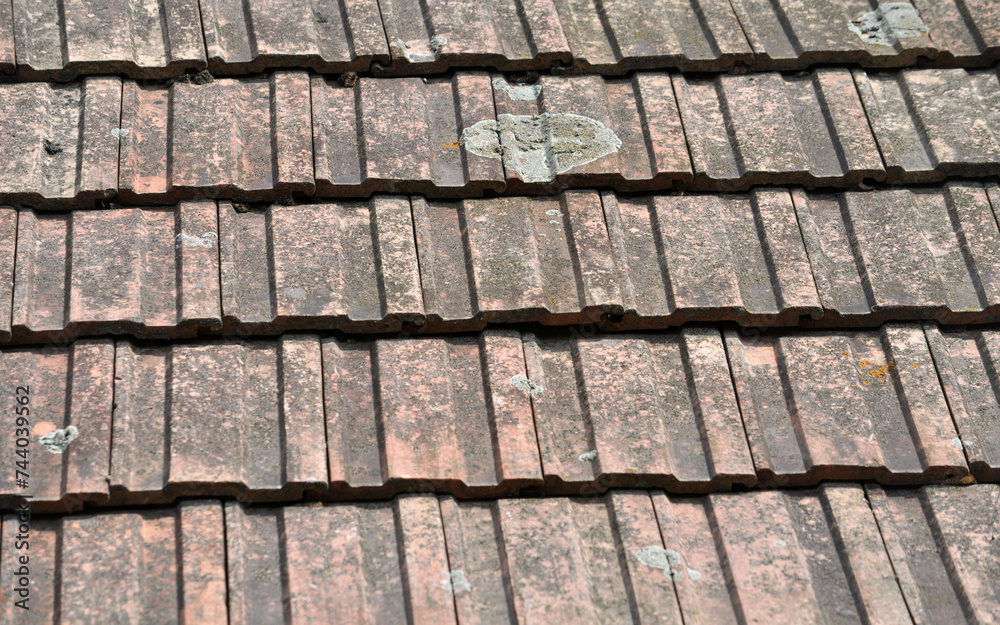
(967,32)
(515,259)
(792,34)
(943,542)
(844,405)
(710,257)
(904,253)
(153,566)
(617,37)
(148,272)
(430,37)
(67,387)
(541,146)
(411,145)
(460,424)
(228,417)
(8,243)
(637,410)
(61,143)
(934,123)
(359,272)
(330,36)
(967,364)
(7,56)
(139,38)
(769,128)
(242,138)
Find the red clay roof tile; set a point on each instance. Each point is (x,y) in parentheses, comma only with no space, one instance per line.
(240,138)
(327,36)
(966,32)
(140,38)
(147,272)
(844,405)
(7,56)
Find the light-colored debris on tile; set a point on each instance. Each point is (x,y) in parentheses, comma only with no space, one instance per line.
(57,441)
(517,92)
(889,23)
(524,384)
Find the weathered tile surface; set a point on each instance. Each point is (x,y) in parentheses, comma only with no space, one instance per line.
(616,37)
(966,32)
(432,413)
(7,56)
(515,259)
(328,36)
(770,128)
(146,272)
(903,254)
(8,243)
(844,405)
(967,365)
(429,37)
(794,34)
(637,411)
(401,134)
(934,123)
(710,257)
(945,548)
(139,38)
(155,566)
(349,265)
(230,417)
(244,138)
(586,131)
(66,387)
(60,142)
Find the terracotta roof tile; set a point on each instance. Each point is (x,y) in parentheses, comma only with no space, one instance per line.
(240,138)
(8,242)
(67,387)
(762,128)
(844,405)
(945,549)
(791,34)
(904,253)
(934,123)
(7,56)
(515,259)
(412,144)
(739,256)
(357,272)
(223,418)
(148,272)
(967,365)
(966,32)
(635,138)
(430,37)
(155,566)
(332,37)
(140,38)
(61,144)
(633,410)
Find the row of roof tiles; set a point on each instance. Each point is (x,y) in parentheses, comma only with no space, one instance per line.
(766,258)
(500,412)
(163,38)
(291,133)
(843,554)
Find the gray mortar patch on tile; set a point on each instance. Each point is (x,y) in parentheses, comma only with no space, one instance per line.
(57,441)
(660,558)
(524,384)
(539,147)
(455,581)
(517,92)
(889,23)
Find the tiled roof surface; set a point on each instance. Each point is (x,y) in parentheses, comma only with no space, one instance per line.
(515,311)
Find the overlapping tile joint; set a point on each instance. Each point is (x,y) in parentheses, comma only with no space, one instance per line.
(294,134)
(861,553)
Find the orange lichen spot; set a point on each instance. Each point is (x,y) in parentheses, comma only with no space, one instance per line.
(867,369)
(847,353)
(453,144)
(915,365)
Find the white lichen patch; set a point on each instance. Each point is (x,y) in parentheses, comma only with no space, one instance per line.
(957,443)
(889,23)
(660,558)
(522,383)
(207,240)
(517,92)
(454,581)
(694,575)
(590,456)
(295,292)
(57,441)
(539,147)
(118,133)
